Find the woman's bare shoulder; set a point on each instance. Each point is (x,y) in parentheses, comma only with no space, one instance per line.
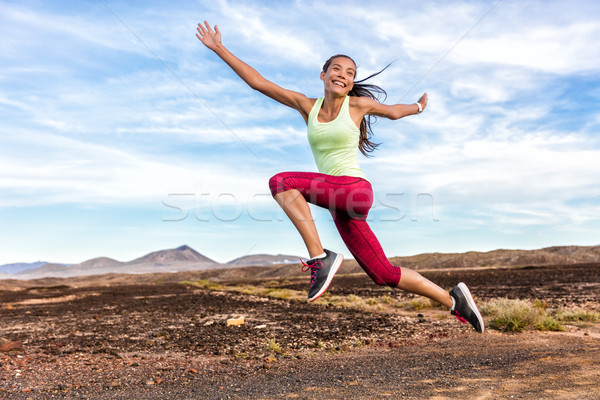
(362,101)
(364,104)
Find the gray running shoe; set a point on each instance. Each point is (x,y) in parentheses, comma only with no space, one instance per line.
(322,271)
(465,309)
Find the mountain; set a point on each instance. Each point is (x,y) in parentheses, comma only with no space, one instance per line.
(61,270)
(183,258)
(263,259)
(20,267)
(180,254)
(48,269)
(100,262)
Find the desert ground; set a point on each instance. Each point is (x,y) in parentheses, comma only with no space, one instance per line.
(141,338)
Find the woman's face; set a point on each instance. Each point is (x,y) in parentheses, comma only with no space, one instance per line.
(339,77)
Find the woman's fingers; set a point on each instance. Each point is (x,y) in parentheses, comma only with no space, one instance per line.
(208,28)
(204,30)
(206,35)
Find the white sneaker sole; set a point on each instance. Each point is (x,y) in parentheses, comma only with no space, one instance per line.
(471,302)
(334,267)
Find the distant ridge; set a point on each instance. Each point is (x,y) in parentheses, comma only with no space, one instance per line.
(15,268)
(557,255)
(184,258)
(501,258)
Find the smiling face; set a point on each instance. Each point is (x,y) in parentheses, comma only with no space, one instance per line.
(338,75)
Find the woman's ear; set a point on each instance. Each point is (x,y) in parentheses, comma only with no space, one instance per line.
(322,76)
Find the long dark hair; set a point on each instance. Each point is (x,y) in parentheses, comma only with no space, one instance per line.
(361,89)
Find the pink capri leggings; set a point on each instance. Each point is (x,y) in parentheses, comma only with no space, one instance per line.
(348,199)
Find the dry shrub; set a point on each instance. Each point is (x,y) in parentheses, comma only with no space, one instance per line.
(273,346)
(417,304)
(576,315)
(517,315)
(204,284)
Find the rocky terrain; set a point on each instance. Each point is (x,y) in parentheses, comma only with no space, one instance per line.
(152,337)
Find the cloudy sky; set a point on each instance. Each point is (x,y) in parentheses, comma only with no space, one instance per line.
(121,134)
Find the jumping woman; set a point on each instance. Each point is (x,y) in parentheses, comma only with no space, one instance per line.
(338,126)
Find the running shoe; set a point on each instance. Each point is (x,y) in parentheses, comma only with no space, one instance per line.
(322,271)
(464,307)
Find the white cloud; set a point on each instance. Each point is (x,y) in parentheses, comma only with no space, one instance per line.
(572,49)
(517,170)
(83,173)
(555,38)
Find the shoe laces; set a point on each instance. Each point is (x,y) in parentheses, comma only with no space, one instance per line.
(314,266)
(460,318)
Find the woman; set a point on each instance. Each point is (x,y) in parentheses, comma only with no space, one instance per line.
(338,126)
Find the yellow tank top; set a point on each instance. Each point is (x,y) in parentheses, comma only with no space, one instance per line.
(335,144)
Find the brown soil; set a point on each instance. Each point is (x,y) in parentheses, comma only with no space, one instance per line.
(168,340)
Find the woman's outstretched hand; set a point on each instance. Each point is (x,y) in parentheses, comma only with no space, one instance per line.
(423,100)
(210,38)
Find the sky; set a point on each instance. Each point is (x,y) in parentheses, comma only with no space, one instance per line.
(121,134)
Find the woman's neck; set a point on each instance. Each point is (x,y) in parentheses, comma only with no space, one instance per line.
(331,106)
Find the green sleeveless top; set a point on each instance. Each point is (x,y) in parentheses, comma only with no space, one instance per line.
(335,144)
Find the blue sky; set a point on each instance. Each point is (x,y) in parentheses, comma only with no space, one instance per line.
(122,134)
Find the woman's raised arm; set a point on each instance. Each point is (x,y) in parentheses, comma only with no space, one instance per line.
(212,39)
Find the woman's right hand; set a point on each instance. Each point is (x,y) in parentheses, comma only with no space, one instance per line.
(210,38)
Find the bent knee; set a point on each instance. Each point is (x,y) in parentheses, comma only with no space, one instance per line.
(279,183)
